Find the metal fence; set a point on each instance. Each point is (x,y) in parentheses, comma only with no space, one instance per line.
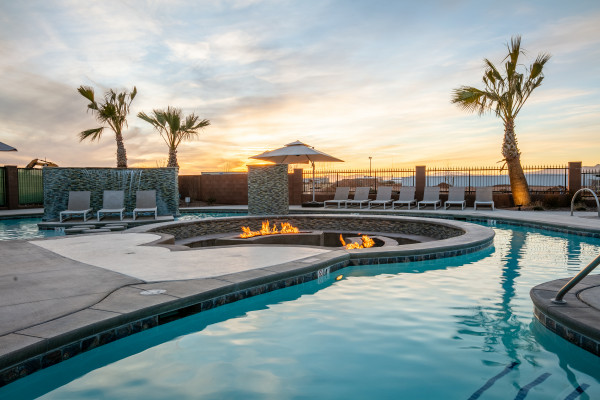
(591,179)
(541,179)
(2,187)
(31,189)
(328,180)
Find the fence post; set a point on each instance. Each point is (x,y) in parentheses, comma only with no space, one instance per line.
(420,180)
(11,179)
(574,176)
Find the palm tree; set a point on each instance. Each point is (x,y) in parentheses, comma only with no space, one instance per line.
(113,112)
(174,129)
(506,95)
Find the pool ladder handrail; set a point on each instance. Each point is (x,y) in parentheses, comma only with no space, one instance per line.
(593,194)
(575,280)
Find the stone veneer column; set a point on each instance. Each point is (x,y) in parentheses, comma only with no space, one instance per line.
(268,189)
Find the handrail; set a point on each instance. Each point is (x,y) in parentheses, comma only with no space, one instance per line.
(575,280)
(595,197)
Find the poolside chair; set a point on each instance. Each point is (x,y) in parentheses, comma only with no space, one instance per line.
(79,203)
(456,197)
(361,196)
(484,197)
(407,196)
(341,196)
(112,203)
(145,202)
(430,196)
(384,197)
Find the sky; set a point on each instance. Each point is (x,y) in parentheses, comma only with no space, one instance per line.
(355,79)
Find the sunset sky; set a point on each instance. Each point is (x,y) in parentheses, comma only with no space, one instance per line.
(355,79)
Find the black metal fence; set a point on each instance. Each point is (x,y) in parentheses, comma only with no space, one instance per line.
(590,178)
(31,189)
(328,180)
(541,179)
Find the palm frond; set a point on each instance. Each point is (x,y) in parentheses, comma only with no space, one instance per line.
(92,134)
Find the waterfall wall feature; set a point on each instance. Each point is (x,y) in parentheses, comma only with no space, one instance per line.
(268,189)
(59,181)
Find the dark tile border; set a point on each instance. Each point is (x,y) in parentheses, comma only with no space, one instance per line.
(566,333)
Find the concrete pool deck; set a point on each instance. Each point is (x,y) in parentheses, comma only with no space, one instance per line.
(55,290)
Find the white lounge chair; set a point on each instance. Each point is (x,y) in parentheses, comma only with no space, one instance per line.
(112,203)
(361,196)
(456,197)
(484,197)
(384,197)
(79,203)
(341,196)
(145,202)
(431,196)
(407,197)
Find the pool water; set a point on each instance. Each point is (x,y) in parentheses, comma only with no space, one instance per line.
(456,328)
(26,228)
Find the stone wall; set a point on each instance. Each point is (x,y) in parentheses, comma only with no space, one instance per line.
(268,189)
(59,181)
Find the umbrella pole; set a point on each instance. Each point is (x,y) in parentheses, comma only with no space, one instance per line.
(313,163)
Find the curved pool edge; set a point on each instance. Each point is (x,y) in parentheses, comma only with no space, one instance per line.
(577,320)
(60,339)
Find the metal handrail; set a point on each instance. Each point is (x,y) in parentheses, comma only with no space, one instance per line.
(576,279)
(593,194)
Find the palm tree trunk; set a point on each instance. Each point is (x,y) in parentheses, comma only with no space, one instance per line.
(172,158)
(510,151)
(121,153)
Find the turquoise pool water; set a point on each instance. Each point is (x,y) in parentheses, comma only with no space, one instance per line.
(26,228)
(457,328)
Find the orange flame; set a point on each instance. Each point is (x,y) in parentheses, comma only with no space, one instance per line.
(366,242)
(266,229)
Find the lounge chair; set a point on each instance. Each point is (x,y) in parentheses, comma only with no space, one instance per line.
(145,202)
(384,197)
(431,196)
(361,196)
(407,197)
(484,197)
(456,197)
(112,203)
(79,203)
(341,196)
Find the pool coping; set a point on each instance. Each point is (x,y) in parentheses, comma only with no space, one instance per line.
(124,312)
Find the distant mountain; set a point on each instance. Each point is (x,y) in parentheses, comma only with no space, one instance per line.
(591,169)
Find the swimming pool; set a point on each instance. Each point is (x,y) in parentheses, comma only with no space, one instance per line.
(26,228)
(456,328)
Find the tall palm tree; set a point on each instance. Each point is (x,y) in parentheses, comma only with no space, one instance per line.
(506,95)
(174,128)
(112,111)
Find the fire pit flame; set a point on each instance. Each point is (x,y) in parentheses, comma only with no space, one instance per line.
(266,229)
(366,242)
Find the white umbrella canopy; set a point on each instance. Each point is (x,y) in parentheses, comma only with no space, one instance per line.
(5,147)
(297,153)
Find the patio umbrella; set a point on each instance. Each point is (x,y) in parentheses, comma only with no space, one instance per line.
(5,147)
(297,153)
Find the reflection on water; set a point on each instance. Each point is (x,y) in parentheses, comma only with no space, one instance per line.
(448,329)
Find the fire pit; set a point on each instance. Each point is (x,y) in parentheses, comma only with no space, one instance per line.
(396,239)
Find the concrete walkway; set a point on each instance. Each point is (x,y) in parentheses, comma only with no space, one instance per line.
(60,288)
